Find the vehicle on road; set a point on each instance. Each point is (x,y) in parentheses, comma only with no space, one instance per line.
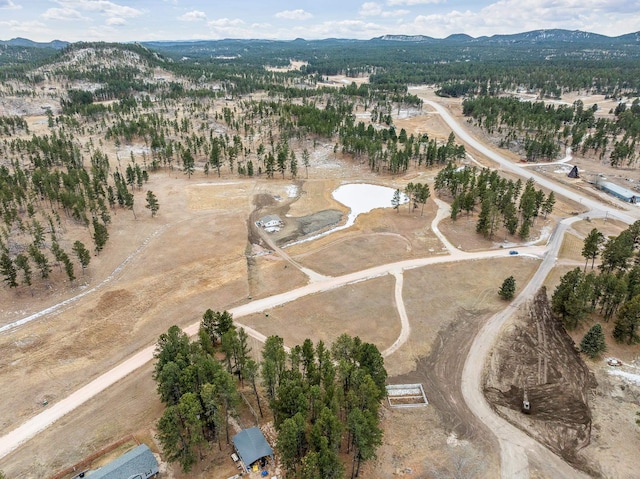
(513,252)
(614,362)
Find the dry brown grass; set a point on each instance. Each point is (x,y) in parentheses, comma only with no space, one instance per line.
(364,309)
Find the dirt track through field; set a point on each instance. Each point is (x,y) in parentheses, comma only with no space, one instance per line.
(43,420)
(61,305)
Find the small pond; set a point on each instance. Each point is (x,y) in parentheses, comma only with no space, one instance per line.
(360,198)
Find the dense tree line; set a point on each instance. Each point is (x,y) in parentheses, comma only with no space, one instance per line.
(200,393)
(324,401)
(387,151)
(503,202)
(540,128)
(612,291)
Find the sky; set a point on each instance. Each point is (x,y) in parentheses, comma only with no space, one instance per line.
(147,20)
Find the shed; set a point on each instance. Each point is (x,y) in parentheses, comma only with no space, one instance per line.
(270,221)
(619,192)
(138,463)
(574,173)
(251,445)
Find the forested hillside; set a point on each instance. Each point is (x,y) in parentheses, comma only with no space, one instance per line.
(102,99)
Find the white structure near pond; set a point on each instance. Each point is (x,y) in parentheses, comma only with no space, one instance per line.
(270,223)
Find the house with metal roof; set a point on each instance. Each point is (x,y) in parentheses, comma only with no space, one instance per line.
(138,463)
(619,192)
(251,445)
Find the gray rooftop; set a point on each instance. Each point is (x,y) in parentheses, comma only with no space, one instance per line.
(251,445)
(138,463)
(266,219)
(617,189)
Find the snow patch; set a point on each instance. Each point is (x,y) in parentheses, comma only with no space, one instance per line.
(292,191)
(629,377)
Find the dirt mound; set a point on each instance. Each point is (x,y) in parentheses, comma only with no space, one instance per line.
(318,221)
(537,356)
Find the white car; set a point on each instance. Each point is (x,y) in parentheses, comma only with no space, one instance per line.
(614,362)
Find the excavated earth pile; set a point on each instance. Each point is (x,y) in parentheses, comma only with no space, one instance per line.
(536,360)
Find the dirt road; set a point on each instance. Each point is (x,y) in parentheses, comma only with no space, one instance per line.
(38,423)
(516,447)
(629,215)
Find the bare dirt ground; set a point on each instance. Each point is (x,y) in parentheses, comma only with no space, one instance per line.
(535,357)
(364,309)
(615,399)
(443,323)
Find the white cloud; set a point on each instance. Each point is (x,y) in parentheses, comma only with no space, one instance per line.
(335,29)
(373,9)
(193,16)
(31,27)
(225,22)
(413,2)
(370,9)
(64,14)
(115,21)
(104,7)
(508,16)
(9,5)
(294,15)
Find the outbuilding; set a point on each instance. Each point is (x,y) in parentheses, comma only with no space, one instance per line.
(270,221)
(138,463)
(619,192)
(251,446)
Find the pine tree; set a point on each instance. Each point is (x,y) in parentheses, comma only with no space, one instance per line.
(593,343)
(82,253)
(100,234)
(305,161)
(293,165)
(152,203)
(8,270)
(508,288)
(395,201)
(188,163)
(22,262)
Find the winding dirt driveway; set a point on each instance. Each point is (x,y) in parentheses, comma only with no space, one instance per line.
(33,426)
(516,447)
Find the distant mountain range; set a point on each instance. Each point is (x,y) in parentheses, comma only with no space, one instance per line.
(24,42)
(533,37)
(575,37)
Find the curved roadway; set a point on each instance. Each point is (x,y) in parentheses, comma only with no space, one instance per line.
(516,447)
(33,426)
(596,206)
